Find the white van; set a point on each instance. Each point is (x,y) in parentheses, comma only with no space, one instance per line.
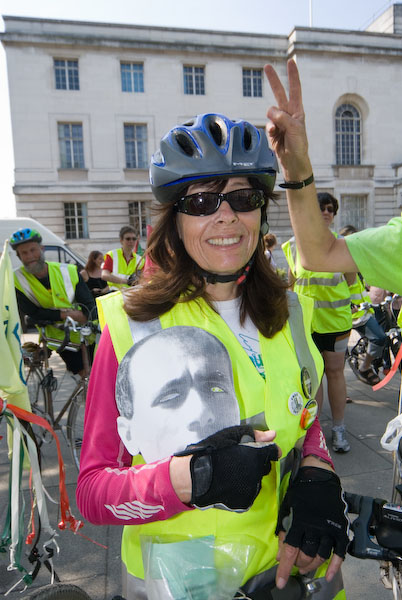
(55,248)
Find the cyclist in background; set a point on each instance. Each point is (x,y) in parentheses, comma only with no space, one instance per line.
(121,265)
(51,292)
(332,321)
(376,253)
(213,179)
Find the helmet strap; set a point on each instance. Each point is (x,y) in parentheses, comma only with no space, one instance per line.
(239,277)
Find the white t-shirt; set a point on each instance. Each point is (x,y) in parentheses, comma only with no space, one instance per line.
(247,334)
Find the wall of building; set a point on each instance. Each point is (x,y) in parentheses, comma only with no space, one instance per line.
(362,68)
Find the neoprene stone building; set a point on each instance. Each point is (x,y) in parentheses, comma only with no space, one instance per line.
(90,101)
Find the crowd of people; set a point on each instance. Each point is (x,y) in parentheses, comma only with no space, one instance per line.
(192,431)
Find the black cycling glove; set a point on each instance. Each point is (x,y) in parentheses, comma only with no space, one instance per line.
(314,514)
(227,468)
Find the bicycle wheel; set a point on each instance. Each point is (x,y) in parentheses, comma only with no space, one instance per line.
(59,591)
(352,357)
(75,423)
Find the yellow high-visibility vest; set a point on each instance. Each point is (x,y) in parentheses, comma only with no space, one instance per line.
(63,281)
(122,268)
(263,403)
(329,291)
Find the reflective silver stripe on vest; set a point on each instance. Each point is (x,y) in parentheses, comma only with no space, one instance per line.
(326,281)
(26,287)
(65,273)
(256,421)
(335,304)
(115,258)
(296,324)
(142,329)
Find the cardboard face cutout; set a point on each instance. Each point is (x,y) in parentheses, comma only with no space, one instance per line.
(174,388)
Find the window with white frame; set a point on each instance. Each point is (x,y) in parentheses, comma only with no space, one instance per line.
(348,135)
(71,145)
(194,80)
(66,74)
(136,146)
(132,77)
(353,210)
(138,215)
(252,82)
(75,220)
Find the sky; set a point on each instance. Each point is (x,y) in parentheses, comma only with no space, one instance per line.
(254,16)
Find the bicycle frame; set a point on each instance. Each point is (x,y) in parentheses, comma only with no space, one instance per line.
(48,384)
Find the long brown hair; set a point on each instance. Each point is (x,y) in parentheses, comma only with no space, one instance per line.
(92,256)
(177,279)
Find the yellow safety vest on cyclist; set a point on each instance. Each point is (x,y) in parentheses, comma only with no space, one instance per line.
(63,281)
(122,268)
(275,403)
(330,292)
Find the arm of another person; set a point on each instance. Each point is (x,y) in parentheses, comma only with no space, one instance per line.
(107,272)
(83,297)
(37,313)
(84,275)
(109,489)
(319,249)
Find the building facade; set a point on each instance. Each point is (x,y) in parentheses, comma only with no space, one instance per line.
(90,102)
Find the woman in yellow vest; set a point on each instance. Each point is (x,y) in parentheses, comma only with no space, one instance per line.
(201,429)
(332,321)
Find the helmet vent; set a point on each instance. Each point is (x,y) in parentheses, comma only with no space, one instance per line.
(186,144)
(216,132)
(247,139)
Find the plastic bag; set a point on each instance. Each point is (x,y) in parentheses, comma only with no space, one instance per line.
(195,568)
(390,439)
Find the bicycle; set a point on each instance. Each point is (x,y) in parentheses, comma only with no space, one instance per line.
(387,316)
(42,383)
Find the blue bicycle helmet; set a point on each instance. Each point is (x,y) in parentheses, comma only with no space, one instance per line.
(207,147)
(25,235)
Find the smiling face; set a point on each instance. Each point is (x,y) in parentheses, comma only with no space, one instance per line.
(182,390)
(225,241)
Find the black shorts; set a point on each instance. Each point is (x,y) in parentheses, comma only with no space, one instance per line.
(336,341)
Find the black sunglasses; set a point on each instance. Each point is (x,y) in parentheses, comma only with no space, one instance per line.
(202,204)
(328,208)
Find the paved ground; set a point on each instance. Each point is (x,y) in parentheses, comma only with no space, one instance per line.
(366,469)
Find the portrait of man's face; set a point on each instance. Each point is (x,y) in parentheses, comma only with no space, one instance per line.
(174,388)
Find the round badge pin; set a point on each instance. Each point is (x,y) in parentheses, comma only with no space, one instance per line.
(306,382)
(308,415)
(295,403)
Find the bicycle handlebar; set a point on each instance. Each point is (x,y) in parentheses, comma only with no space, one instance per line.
(378,518)
(86,329)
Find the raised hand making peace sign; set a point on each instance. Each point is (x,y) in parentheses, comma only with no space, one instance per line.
(286,130)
